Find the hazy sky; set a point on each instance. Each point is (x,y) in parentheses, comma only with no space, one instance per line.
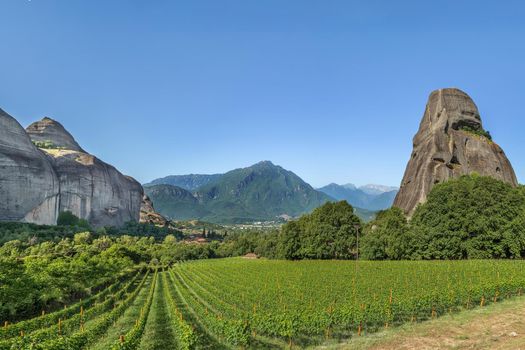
(332,90)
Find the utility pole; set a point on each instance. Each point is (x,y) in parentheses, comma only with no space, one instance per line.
(356,227)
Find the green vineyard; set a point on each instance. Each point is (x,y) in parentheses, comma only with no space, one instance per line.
(239,303)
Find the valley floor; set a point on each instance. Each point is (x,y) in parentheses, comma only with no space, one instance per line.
(499,326)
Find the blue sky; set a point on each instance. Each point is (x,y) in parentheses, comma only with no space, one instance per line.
(332,90)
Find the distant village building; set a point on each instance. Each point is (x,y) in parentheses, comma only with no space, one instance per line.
(251,256)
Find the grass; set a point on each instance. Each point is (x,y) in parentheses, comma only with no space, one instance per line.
(124,323)
(496,326)
(159,332)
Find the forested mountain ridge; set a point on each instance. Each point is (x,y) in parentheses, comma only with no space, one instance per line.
(190,182)
(263,191)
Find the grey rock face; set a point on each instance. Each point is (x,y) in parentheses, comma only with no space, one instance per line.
(29,187)
(89,188)
(444,149)
(148,213)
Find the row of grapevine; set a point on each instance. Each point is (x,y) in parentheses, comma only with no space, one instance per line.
(131,340)
(290,300)
(71,334)
(186,337)
(235,331)
(50,319)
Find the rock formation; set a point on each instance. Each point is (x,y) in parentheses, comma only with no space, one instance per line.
(48,133)
(89,188)
(450,142)
(148,213)
(29,188)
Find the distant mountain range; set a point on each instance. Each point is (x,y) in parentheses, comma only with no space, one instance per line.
(263,191)
(369,197)
(189,182)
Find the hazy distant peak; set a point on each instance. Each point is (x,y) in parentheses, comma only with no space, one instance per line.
(377,189)
(350,186)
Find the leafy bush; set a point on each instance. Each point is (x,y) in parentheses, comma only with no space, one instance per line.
(67,218)
(46,144)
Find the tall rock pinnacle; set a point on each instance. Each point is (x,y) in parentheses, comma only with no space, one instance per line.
(450,142)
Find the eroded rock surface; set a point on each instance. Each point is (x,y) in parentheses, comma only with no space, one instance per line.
(29,187)
(49,133)
(450,142)
(148,213)
(89,188)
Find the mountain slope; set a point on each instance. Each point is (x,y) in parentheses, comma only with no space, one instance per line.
(175,202)
(263,191)
(189,182)
(369,197)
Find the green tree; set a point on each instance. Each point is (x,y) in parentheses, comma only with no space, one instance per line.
(329,232)
(386,237)
(471,217)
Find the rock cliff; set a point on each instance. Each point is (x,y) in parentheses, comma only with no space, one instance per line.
(29,187)
(450,142)
(149,215)
(89,188)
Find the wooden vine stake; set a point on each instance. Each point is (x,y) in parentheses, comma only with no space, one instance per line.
(121,339)
(6,324)
(496,297)
(59,326)
(359,330)
(482,301)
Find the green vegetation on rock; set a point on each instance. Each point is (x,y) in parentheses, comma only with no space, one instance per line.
(479,131)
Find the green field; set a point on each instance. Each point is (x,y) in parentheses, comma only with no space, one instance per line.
(240,303)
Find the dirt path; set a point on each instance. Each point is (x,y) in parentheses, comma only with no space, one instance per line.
(499,326)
